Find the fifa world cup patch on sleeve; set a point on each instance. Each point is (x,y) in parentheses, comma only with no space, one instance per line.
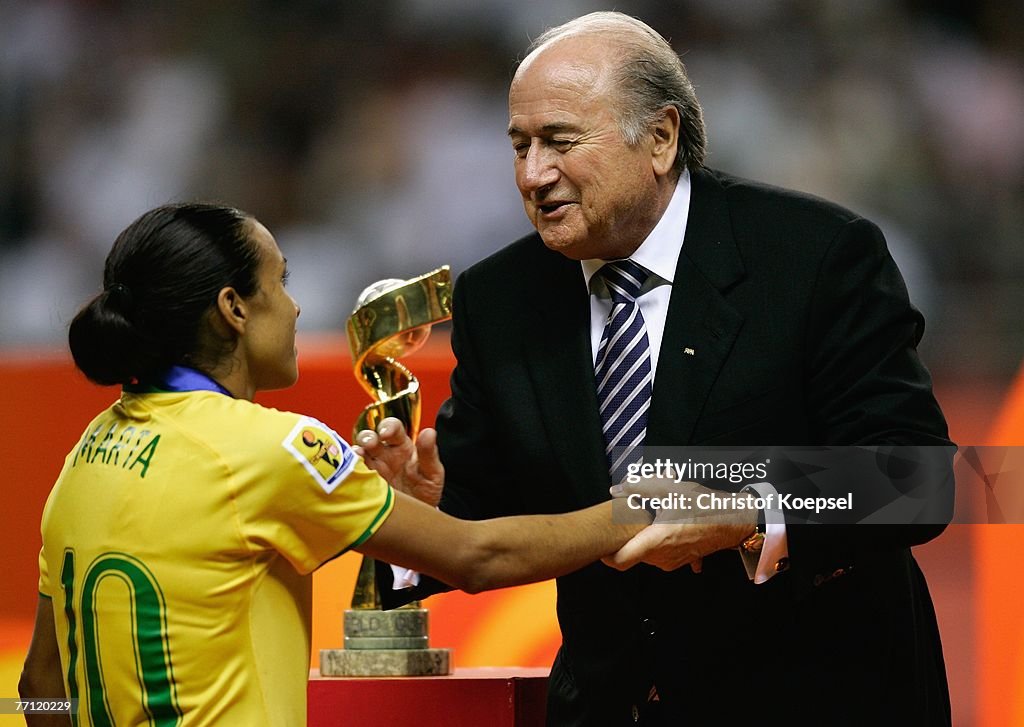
(323,454)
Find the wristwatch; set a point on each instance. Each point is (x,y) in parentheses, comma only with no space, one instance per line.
(755,541)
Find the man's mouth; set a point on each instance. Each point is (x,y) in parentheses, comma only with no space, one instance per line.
(549,207)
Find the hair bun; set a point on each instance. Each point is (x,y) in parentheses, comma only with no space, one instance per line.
(121,296)
(104,343)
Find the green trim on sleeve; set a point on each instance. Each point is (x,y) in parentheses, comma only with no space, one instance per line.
(372,528)
(384,510)
(43,595)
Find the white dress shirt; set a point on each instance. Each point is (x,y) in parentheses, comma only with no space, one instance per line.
(659,254)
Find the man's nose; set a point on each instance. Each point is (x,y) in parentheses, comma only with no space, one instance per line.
(537,169)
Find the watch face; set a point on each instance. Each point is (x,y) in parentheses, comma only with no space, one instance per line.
(754,543)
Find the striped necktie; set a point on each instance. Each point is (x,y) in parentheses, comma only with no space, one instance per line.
(623,369)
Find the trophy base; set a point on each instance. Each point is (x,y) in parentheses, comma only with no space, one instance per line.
(364,643)
(385,643)
(385,662)
(402,622)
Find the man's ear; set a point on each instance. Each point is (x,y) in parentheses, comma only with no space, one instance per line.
(665,137)
(232,309)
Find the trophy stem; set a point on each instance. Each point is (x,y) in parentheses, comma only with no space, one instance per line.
(366,595)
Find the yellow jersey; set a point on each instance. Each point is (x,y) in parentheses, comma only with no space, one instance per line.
(177,547)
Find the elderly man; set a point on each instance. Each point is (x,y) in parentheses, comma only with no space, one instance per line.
(663,303)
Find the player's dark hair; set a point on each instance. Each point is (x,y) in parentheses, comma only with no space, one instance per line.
(160,280)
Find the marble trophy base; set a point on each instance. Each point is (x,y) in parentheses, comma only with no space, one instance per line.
(385,643)
(385,662)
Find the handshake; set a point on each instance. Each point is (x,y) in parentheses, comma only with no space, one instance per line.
(668,542)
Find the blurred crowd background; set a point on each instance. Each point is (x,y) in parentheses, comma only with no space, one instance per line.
(370,137)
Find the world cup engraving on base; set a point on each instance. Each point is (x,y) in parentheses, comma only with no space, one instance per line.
(392,319)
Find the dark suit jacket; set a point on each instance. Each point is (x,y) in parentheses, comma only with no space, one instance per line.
(802,334)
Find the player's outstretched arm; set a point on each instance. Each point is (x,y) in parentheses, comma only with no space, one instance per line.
(478,555)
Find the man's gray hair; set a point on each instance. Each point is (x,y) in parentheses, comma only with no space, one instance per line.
(649,76)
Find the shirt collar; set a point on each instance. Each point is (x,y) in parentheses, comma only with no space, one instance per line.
(177,379)
(659,253)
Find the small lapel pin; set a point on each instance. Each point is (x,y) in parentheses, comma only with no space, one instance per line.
(689,351)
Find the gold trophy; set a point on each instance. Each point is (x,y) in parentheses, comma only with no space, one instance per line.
(392,319)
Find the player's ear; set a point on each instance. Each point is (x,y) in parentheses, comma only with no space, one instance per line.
(232,309)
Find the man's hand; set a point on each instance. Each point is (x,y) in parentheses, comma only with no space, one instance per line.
(414,469)
(684,534)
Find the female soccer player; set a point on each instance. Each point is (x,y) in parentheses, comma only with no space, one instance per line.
(179,538)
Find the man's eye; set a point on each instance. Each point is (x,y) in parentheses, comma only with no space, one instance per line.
(563,144)
(285,276)
(521,148)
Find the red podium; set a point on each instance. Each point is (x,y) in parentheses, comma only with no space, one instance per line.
(491,696)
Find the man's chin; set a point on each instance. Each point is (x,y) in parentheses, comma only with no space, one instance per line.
(556,240)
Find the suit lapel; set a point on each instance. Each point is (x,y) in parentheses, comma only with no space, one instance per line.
(701,326)
(560,367)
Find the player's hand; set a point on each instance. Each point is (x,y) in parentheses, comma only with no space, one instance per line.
(412,468)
